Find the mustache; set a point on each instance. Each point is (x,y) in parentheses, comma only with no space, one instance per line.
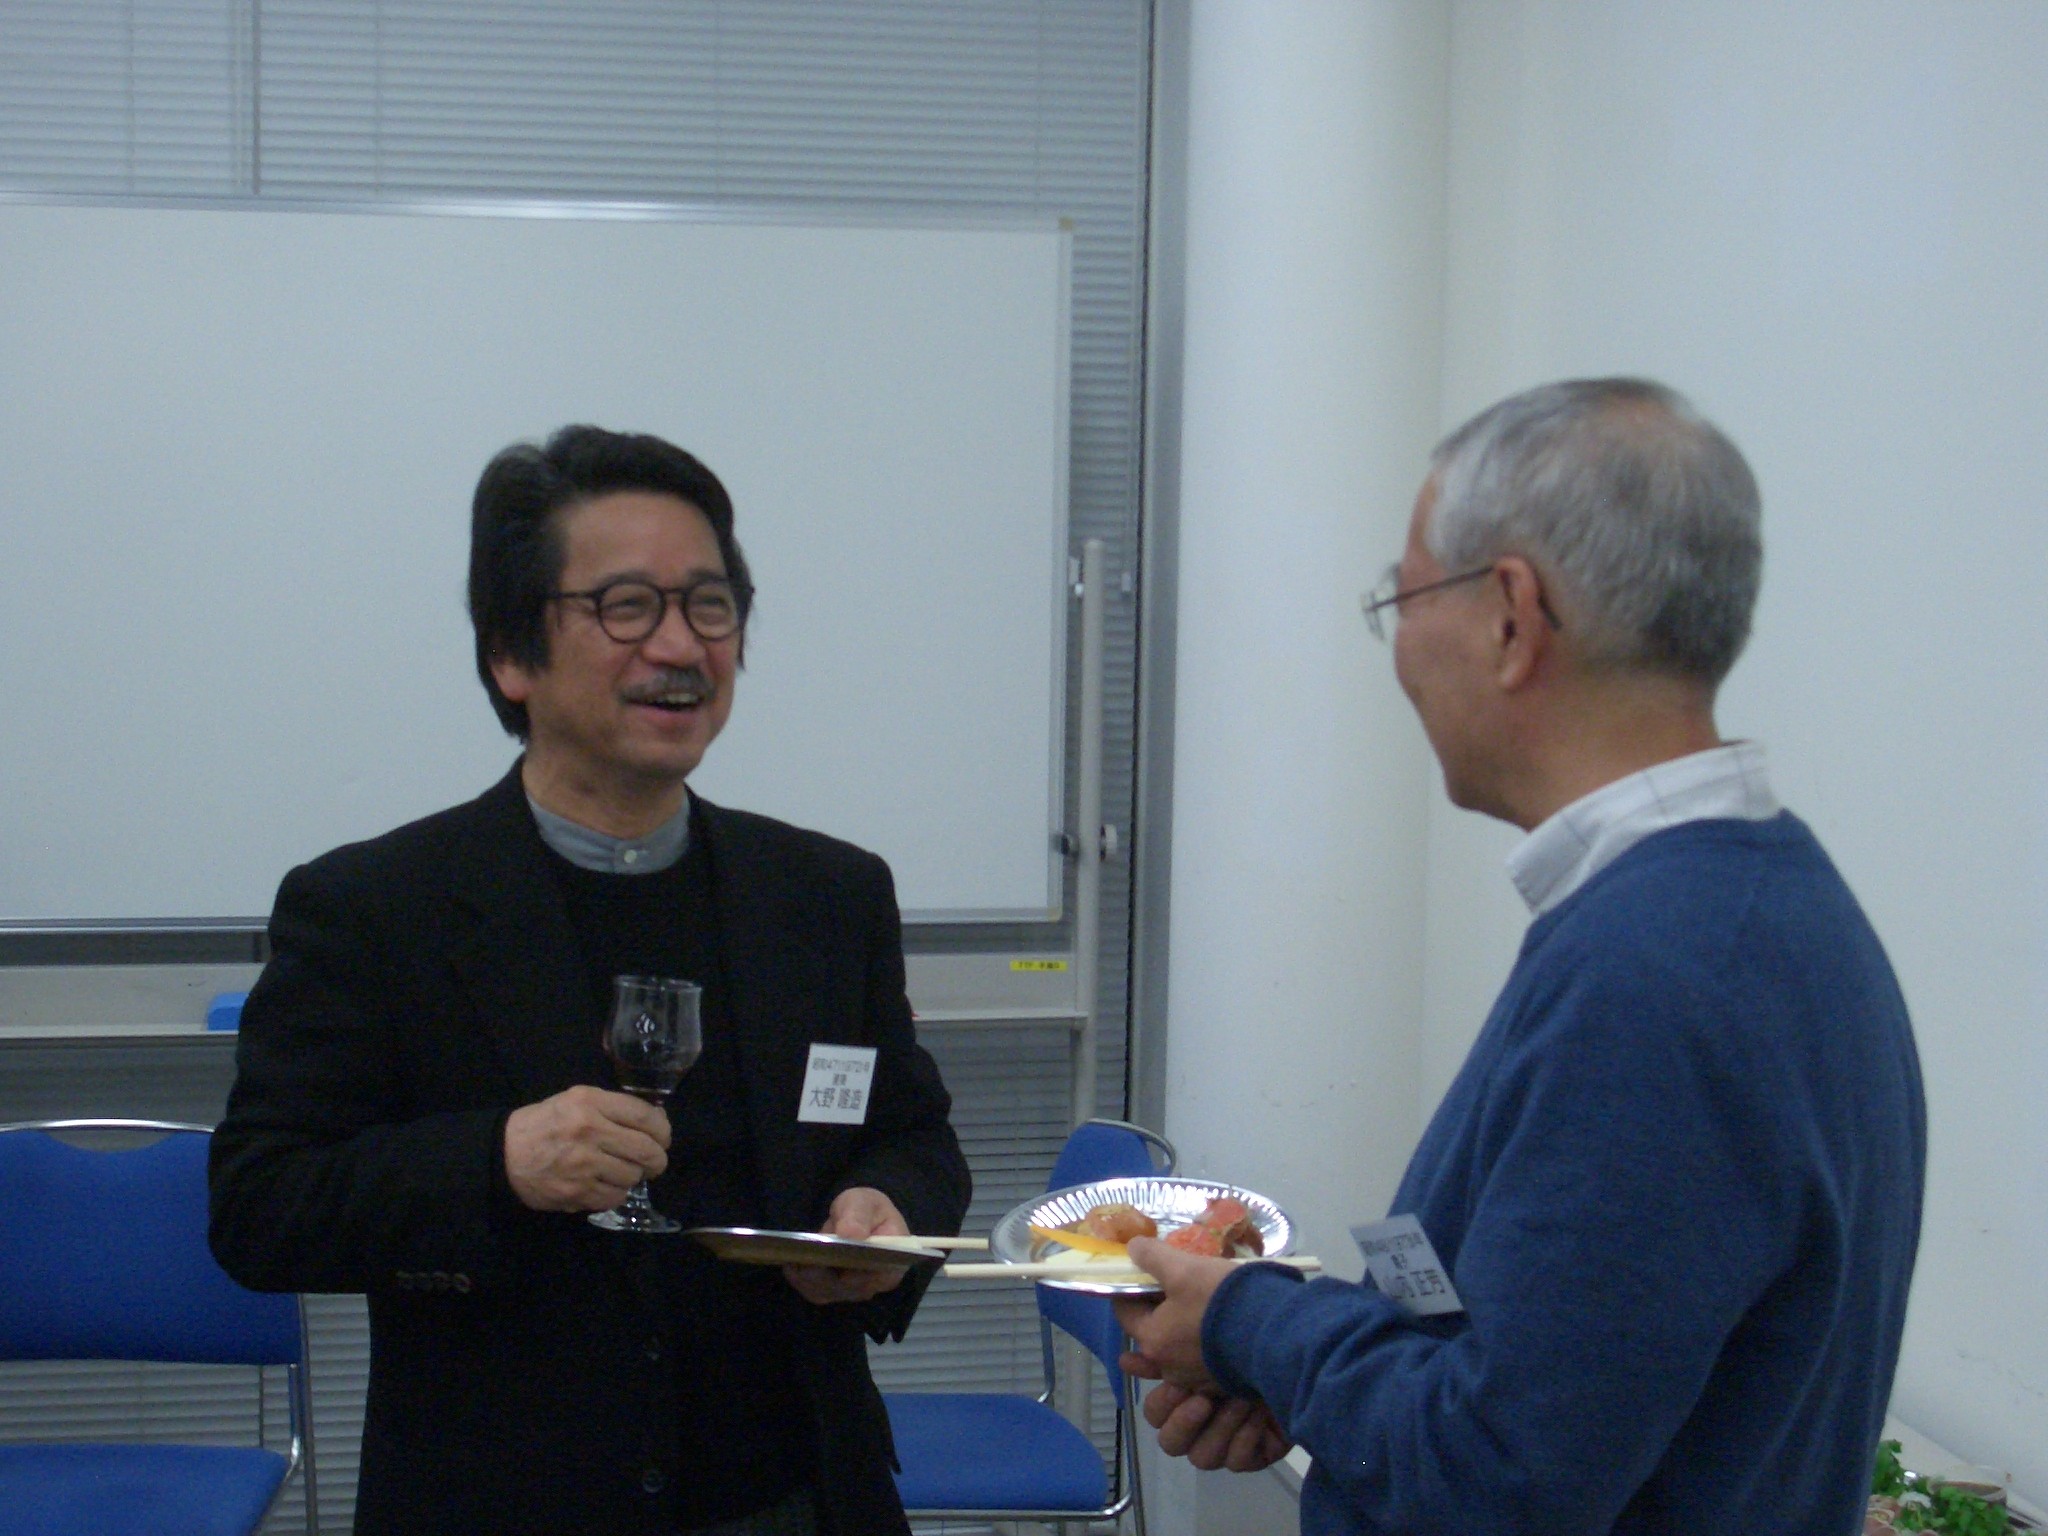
(670,680)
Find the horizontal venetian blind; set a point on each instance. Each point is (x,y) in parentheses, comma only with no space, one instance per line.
(124,96)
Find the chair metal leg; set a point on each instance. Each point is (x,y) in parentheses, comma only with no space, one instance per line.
(311,1485)
(1129,1423)
(300,1383)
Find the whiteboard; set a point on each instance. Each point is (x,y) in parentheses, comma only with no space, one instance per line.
(237,448)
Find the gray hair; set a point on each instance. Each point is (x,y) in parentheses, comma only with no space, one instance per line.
(1638,509)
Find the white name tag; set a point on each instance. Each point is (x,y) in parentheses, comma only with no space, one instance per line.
(1404,1265)
(836,1084)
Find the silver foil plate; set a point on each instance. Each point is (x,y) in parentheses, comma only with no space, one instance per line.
(1172,1202)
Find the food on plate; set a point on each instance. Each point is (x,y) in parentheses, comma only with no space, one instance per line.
(1081,1242)
(1232,1223)
(1119,1221)
(1224,1229)
(1203,1242)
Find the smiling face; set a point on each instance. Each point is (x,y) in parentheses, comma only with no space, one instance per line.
(615,728)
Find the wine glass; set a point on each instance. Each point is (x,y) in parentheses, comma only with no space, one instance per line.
(653,1039)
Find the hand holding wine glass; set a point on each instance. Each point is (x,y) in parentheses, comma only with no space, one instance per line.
(652,1038)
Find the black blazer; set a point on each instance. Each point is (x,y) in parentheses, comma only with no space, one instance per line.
(418,992)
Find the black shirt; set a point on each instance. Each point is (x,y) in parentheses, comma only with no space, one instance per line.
(744,1429)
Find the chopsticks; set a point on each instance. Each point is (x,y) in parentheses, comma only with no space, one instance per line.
(930,1242)
(1103,1273)
(1112,1275)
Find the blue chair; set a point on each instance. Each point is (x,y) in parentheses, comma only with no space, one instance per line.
(1003,1456)
(103,1256)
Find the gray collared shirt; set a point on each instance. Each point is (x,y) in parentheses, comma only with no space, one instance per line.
(607,855)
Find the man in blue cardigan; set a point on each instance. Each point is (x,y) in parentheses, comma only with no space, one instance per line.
(1647,1270)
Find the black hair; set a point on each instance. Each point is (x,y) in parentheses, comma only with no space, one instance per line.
(516,552)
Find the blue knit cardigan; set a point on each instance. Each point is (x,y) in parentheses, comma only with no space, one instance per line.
(1677,1184)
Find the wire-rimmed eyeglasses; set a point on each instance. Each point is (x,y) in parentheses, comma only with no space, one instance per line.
(1387,593)
(630,610)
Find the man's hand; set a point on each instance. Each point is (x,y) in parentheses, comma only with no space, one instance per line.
(857,1213)
(1212,1432)
(1168,1331)
(583,1149)
(1193,1417)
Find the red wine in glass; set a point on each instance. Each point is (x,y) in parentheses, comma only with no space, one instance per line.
(653,1037)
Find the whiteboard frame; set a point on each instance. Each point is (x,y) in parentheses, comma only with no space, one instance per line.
(821,214)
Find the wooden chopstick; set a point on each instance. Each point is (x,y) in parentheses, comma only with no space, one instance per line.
(1101,1272)
(930,1242)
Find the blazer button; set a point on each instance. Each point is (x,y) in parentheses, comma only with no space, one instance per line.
(462,1284)
(440,1281)
(652,1480)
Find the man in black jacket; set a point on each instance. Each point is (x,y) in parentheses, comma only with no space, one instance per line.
(418,1114)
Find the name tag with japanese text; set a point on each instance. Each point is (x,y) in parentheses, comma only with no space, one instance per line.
(836,1084)
(1403,1264)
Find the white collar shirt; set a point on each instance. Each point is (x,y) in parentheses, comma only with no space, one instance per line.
(1576,843)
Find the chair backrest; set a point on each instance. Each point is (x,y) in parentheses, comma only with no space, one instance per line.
(1110,1149)
(1101,1149)
(103,1255)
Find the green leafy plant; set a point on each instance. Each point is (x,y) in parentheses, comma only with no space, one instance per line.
(1889,1481)
(1964,1514)
(1929,1505)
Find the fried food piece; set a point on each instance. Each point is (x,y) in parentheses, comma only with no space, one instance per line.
(1232,1221)
(1118,1221)
(1224,1212)
(1203,1241)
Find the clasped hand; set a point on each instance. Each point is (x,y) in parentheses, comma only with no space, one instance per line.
(582,1149)
(1190,1411)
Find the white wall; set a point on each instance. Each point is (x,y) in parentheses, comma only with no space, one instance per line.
(1314,220)
(1828,222)
(1314,252)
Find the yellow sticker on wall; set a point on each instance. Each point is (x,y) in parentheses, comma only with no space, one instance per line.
(1038,965)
